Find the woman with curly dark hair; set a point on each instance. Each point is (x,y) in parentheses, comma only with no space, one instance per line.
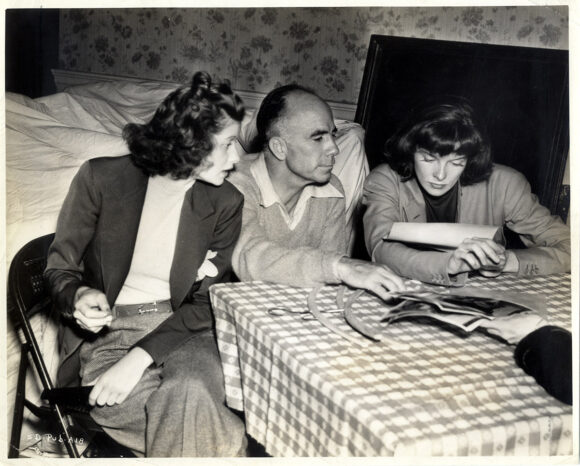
(139,241)
(440,170)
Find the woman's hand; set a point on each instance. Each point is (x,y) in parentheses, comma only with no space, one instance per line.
(92,311)
(114,385)
(478,254)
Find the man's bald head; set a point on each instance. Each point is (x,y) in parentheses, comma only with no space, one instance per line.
(276,106)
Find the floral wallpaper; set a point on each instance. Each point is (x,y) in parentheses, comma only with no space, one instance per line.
(261,48)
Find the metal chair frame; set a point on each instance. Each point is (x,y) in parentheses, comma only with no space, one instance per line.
(28,296)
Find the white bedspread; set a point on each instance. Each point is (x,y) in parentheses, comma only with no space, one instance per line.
(43,153)
(47,139)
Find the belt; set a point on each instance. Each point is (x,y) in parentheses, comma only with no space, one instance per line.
(126,310)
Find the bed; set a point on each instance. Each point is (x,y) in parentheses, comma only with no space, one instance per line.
(48,138)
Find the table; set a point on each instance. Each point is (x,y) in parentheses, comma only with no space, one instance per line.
(423,390)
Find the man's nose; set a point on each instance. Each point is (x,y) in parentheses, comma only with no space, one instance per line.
(332,149)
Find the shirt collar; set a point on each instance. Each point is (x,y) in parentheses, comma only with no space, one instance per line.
(268,195)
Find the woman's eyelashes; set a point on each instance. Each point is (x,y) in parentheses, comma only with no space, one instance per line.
(457,161)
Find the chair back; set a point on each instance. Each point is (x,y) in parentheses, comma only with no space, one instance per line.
(26,285)
(28,294)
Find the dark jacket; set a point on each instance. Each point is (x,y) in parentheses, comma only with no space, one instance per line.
(94,242)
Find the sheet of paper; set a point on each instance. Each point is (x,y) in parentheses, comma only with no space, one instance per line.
(440,235)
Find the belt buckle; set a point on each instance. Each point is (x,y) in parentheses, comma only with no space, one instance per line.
(142,309)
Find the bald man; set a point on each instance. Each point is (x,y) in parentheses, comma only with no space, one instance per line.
(293,227)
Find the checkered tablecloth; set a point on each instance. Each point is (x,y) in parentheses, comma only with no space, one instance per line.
(423,390)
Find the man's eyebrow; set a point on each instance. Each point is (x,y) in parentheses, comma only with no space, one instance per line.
(321,132)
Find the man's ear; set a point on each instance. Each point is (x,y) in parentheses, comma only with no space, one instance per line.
(277,146)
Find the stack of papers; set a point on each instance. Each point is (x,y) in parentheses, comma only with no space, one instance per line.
(465,308)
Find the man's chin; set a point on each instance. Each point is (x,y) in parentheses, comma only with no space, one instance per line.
(324,174)
(322,181)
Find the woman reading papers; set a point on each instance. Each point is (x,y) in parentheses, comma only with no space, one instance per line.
(440,170)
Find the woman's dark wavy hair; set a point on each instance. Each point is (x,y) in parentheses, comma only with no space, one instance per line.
(179,136)
(441,128)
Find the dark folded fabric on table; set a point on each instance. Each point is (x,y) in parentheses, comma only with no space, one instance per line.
(546,355)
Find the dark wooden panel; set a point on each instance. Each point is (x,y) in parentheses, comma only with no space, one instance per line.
(521,94)
(31,50)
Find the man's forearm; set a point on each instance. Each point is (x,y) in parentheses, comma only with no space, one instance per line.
(268,261)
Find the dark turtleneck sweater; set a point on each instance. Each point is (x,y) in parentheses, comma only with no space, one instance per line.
(441,208)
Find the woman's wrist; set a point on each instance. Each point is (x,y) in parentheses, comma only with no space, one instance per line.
(512,263)
(79,292)
(140,357)
(453,267)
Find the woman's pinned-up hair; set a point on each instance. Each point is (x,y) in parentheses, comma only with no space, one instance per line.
(443,128)
(180,134)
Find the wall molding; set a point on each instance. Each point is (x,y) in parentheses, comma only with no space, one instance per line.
(252,99)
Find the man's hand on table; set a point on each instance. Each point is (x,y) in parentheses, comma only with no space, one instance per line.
(514,327)
(377,278)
